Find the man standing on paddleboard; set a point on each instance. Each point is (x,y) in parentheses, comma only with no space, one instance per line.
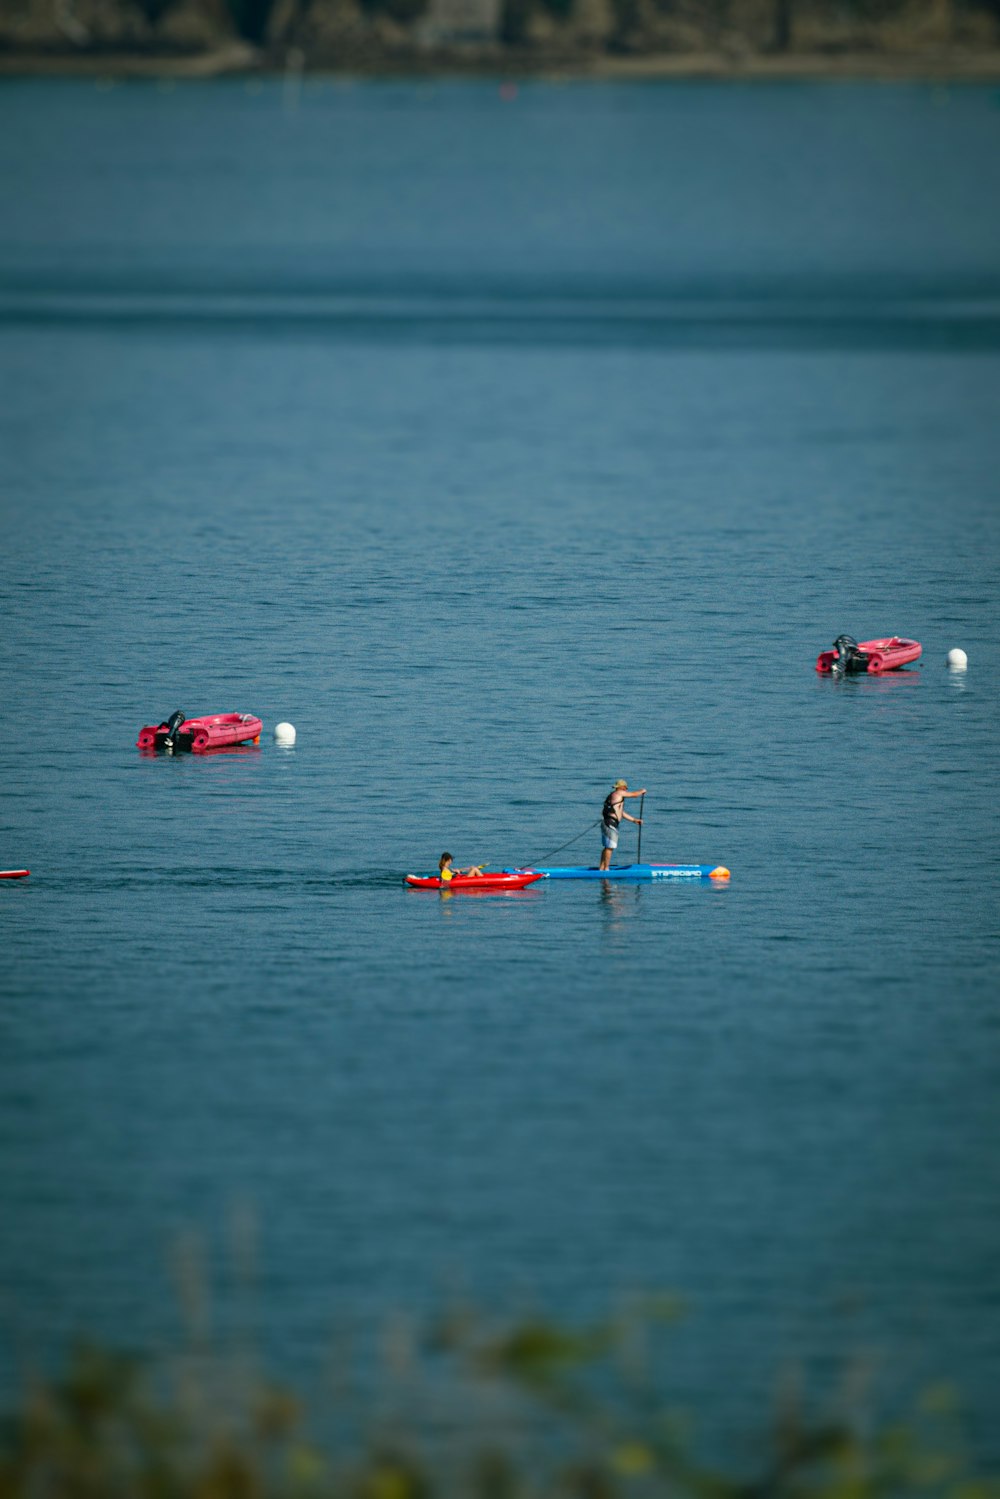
(611,815)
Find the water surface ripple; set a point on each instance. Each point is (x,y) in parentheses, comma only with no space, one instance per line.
(504,449)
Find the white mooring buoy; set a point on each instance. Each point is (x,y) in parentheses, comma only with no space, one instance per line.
(284,733)
(957,660)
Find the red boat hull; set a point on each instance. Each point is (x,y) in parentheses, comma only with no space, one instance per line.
(486,881)
(14,874)
(886,654)
(210,731)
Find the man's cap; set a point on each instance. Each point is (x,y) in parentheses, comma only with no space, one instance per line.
(620,783)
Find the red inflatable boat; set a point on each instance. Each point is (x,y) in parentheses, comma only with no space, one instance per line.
(210,731)
(848,658)
(488,880)
(14,874)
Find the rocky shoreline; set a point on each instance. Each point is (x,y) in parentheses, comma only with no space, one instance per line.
(239,59)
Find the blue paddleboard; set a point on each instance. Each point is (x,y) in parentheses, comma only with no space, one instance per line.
(634,872)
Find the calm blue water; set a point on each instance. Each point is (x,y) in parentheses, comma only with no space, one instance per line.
(504,448)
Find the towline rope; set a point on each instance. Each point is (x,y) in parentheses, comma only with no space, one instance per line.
(543,858)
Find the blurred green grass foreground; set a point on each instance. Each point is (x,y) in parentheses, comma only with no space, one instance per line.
(466,1410)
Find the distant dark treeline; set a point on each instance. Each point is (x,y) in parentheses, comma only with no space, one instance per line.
(332,33)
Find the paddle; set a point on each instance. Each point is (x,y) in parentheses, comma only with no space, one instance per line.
(642,803)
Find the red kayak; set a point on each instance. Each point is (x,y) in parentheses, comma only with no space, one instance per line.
(848,658)
(210,731)
(14,874)
(488,880)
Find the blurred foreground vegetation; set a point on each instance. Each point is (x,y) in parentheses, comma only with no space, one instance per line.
(369,35)
(465,1410)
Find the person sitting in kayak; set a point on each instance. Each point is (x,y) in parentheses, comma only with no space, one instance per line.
(611,815)
(446,873)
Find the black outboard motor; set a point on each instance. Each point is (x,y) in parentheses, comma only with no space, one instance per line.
(172,725)
(850,658)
